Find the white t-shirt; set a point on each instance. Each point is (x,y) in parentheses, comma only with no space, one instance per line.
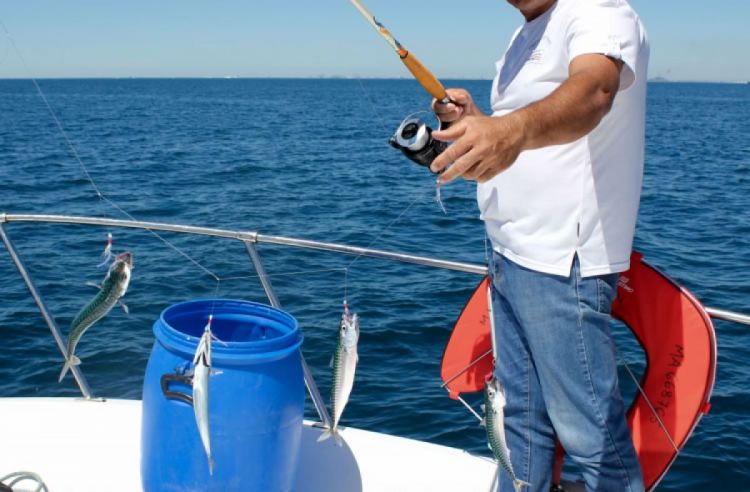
(578,198)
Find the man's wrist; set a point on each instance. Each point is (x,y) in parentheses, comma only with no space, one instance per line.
(520,121)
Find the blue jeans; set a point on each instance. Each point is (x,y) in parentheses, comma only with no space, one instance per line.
(556,360)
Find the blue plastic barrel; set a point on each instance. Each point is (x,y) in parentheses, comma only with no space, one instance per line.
(256,400)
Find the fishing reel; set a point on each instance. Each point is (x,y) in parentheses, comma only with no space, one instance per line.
(414,139)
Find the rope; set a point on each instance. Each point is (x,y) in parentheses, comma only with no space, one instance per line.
(20,476)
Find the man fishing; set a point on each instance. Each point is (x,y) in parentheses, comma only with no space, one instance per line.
(559,168)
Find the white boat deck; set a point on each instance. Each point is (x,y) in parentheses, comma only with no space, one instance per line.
(91,446)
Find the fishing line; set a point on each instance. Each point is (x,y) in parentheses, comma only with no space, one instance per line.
(102,197)
(372,105)
(346,284)
(43,97)
(285,274)
(105,199)
(419,197)
(385,229)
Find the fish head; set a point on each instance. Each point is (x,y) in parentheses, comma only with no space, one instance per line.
(126,257)
(495,391)
(203,352)
(119,270)
(349,331)
(122,265)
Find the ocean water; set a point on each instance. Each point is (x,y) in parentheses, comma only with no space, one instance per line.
(309,159)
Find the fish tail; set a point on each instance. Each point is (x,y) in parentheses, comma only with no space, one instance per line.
(325,435)
(70,362)
(336,436)
(519,484)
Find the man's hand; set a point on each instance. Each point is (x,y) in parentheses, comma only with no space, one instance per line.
(462,105)
(483,147)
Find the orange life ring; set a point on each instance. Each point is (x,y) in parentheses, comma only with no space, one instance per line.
(676,335)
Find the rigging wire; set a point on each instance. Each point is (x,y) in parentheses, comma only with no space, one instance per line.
(74,151)
(104,200)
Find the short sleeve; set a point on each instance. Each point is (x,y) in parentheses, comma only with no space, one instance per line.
(608,27)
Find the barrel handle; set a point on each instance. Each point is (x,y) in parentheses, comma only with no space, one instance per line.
(166,379)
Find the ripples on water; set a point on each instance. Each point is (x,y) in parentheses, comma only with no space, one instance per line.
(309,158)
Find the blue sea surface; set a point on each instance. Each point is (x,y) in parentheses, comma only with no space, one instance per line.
(309,159)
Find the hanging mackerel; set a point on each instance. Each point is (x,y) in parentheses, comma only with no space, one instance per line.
(201,372)
(344,365)
(494,422)
(113,287)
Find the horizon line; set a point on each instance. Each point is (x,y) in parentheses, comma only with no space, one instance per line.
(656,79)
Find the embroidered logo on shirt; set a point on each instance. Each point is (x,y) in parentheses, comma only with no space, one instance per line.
(537,56)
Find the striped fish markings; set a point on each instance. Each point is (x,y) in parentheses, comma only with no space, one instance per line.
(344,365)
(494,403)
(112,289)
(201,372)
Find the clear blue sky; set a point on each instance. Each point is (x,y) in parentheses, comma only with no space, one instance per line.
(691,39)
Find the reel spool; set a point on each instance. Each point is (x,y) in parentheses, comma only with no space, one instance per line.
(414,139)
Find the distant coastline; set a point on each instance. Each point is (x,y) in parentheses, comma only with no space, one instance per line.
(656,80)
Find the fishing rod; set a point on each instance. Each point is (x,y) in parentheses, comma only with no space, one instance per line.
(413,137)
(426,79)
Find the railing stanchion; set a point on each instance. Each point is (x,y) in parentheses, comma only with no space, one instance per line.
(312,387)
(77,374)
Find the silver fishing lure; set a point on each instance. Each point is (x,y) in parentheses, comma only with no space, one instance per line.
(344,365)
(113,287)
(201,372)
(494,422)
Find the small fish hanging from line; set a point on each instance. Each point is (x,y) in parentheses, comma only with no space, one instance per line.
(344,364)
(494,422)
(113,288)
(201,372)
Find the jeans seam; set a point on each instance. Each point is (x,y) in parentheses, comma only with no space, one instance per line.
(578,297)
(527,467)
(589,380)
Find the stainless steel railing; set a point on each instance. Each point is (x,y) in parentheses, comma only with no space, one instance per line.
(250,239)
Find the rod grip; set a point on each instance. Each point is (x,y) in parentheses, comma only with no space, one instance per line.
(425,77)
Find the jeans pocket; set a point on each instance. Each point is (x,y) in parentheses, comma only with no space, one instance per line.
(496,272)
(606,291)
